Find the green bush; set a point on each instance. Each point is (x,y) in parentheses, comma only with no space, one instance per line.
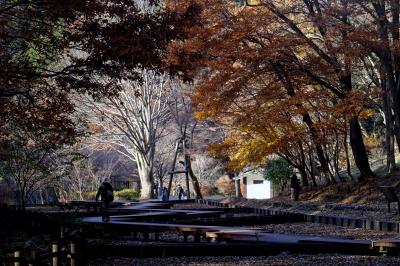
(126,194)
(278,171)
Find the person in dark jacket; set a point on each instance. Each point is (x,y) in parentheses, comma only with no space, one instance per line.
(294,188)
(106,193)
(155,188)
(180,192)
(164,194)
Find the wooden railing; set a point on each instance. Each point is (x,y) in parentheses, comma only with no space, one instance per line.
(59,253)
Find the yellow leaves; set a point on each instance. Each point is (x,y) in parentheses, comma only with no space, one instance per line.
(366,113)
(372,142)
(246,148)
(251,152)
(202,115)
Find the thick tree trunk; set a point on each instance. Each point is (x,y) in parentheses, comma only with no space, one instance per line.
(145,170)
(238,192)
(391,89)
(358,149)
(389,136)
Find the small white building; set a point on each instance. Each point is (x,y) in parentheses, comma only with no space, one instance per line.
(253,185)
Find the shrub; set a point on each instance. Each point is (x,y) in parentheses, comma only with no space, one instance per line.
(126,194)
(207,190)
(278,172)
(225,186)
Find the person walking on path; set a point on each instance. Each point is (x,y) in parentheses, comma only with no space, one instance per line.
(106,193)
(181,192)
(164,194)
(294,188)
(155,188)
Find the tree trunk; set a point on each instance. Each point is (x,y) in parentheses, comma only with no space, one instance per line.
(391,67)
(319,149)
(194,179)
(358,149)
(312,169)
(346,151)
(336,157)
(145,170)
(302,169)
(389,136)
(303,176)
(238,192)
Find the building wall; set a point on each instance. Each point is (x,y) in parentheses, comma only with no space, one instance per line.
(258,187)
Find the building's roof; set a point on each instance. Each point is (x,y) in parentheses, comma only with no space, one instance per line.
(248,171)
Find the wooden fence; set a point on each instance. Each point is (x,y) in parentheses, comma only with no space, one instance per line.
(59,253)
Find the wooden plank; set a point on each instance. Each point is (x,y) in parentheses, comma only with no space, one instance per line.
(271,238)
(390,243)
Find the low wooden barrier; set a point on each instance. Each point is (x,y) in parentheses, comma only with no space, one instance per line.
(57,255)
(381,226)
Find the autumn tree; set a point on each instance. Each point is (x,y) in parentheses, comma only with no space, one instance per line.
(133,121)
(52,48)
(276,74)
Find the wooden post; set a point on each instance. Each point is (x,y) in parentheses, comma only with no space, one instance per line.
(17,255)
(73,254)
(54,249)
(173,168)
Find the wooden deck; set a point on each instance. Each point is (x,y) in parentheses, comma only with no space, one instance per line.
(156,217)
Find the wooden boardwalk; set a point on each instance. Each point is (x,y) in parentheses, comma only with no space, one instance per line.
(155,217)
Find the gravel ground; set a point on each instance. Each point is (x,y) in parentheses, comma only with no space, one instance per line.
(281,259)
(370,212)
(360,211)
(377,211)
(192,206)
(327,230)
(313,229)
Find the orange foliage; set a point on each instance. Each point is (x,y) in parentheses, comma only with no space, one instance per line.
(259,77)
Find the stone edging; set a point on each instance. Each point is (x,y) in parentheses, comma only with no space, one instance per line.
(332,220)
